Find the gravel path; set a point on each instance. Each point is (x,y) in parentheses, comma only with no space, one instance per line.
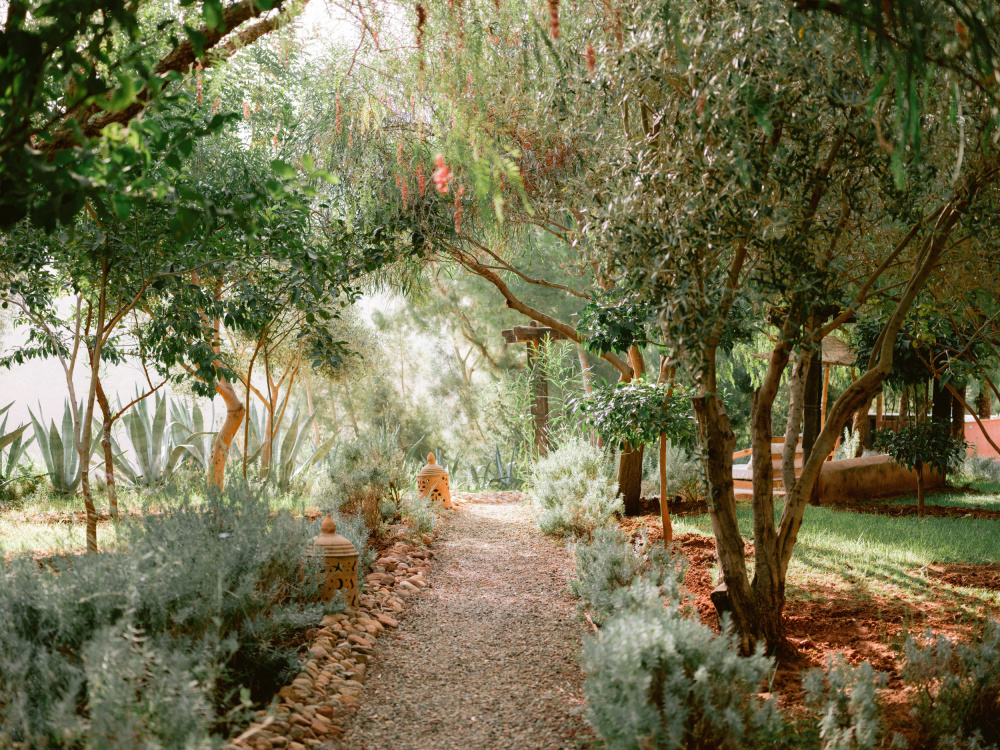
(488,656)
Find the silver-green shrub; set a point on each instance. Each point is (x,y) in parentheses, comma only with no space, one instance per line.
(571,491)
(154,643)
(417,510)
(660,680)
(683,470)
(609,564)
(957,701)
(845,696)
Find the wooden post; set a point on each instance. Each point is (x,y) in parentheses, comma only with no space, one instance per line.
(536,338)
(539,396)
(826,391)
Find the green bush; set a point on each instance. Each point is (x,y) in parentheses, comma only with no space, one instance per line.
(609,563)
(660,680)
(957,701)
(365,474)
(197,611)
(572,492)
(684,472)
(417,510)
(845,696)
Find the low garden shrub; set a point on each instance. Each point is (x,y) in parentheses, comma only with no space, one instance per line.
(609,563)
(957,702)
(163,642)
(572,492)
(660,680)
(368,476)
(844,695)
(683,469)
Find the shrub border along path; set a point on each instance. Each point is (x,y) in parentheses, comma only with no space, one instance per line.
(312,709)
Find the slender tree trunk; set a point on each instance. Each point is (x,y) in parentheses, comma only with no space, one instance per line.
(920,490)
(630,479)
(630,461)
(793,423)
(958,413)
(539,395)
(812,404)
(862,428)
(984,407)
(350,411)
(235,413)
(941,407)
(668,528)
(109,464)
(753,623)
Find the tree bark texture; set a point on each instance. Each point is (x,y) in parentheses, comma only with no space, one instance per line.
(941,404)
(812,405)
(630,479)
(235,413)
(984,407)
(958,413)
(109,464)
(539,396)
(668,527)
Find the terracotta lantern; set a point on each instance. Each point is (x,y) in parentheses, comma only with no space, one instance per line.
(432,483)
(340,564)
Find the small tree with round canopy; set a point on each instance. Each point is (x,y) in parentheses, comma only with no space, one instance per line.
(635,413)
(929,443)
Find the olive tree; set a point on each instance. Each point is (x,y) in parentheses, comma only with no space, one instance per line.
(769,164)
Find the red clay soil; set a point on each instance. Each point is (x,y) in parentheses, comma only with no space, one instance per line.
(829,621)
(932,511)
(966,576)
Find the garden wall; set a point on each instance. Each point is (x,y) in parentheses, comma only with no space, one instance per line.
(869,477)
(978,444)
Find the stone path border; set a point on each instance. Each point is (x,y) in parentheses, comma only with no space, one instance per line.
(312,709)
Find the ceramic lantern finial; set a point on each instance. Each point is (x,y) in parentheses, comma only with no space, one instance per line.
(431,459)
(328,526)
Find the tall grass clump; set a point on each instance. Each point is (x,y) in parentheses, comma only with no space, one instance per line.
(572,491)
(165,641)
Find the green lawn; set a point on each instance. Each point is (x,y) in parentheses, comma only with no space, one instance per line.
(868,553)
(987,497)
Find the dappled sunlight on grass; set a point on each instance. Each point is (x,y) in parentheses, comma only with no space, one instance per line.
(877,554)
(20,536)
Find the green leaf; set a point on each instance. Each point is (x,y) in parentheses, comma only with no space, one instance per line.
(122,205)
(212,12)
(282,169)
(122,96)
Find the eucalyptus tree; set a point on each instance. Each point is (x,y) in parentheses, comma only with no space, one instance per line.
(780,162)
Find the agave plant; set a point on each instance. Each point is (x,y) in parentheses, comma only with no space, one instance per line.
(192,431)
(289,446)
(17,446)
(156,454)
(498,473)
(58,449)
